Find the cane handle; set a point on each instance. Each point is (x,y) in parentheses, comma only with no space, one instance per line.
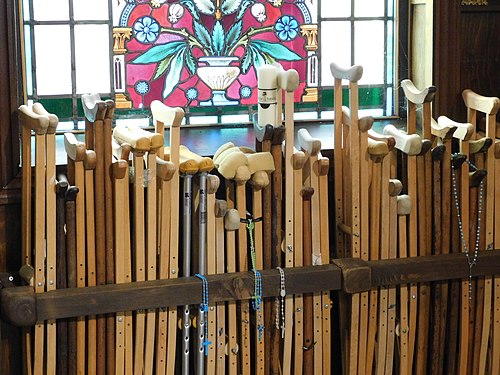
(410,144)
(364,123)
(307,143)
(484,104)
(395,187)
(391,142)
(288,80)
(404,204)
(168,116)
(38,123)
(74,148)
(463,130)
(165,170)
(156,140)
(443,128)
(120,169)
(39,109)
(90,160)
(138,142)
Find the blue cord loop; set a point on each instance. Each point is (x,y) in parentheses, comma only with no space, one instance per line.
(204,309)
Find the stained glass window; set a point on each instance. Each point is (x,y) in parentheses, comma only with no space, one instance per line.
(202,55)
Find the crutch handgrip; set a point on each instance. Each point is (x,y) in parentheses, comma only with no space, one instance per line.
(416,96)
(395,187)
(410,144)
(90,160)
(165,170)
(443,129)
(404,204)
(377,150)
(39,109)
(232,219)
(74,148)
(352,74)
(488,105)
(390,141)
(205,164)
(288,80)
(156,140)
(38,123)
(168,116)
(364,123)
(479,146)
(138,142)
(308,143)
(262,133)
(93,107)
(463,131)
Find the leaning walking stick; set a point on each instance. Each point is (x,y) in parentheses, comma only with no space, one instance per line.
(39,124)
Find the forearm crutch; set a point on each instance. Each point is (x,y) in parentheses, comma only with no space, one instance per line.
(39,124)
(172,117)
(353,75)
(95,111)
(312,147)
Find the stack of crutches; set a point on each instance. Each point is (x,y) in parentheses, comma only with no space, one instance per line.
(40,345)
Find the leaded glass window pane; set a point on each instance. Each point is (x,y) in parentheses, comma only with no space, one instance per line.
(369,8)
(90,10)
(369,51)
(53,10)
(335,46)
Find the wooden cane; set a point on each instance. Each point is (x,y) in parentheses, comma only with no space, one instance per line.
(488,106)
(39,124)
(311,147)
(164,171)
(140,144)
(308,339)
(353,75)
(95,111)
(172,117)
(76,156)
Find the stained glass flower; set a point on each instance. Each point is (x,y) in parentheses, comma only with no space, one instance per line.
(259,12)
(191,93)
(287,28)
(245,92)
(142,87)
(146,29)
(175,12)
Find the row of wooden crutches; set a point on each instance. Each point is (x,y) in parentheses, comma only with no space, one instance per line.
(40,345)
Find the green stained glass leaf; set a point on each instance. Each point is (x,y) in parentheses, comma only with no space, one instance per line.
(247,61)
(191,8)
(218,38)
(234,33)
(162,67)
(230,6)
(159,52)
(277,51)
(190,61)
(203,35)
(174,74)
(244,6)
(258,58)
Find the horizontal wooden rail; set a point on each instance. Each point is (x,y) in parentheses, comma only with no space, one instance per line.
(22,307)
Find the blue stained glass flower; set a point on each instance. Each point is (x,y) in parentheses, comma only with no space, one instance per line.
(191,93)
(142,87)
(146,29)
(287,28)
(245,92)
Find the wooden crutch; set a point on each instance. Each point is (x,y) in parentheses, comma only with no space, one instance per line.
(61,282)
(488,106)
(95,111)
(298,161)
(51,274)
(353,75)
(121,212)
(76,152)
(39,124)
(155,142)
(289,82)
(167,116)
(140,144)
(311,147)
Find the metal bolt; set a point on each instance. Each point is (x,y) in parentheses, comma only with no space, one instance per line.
(327,306)
(120,319)
(40,284)
(290,248)
(299,309)
(174,272)
(211,308)
(51,282)
(413,296)
(11,278)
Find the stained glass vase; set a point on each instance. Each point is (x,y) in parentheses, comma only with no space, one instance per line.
(218,74)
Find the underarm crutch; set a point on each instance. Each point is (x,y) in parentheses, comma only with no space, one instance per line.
(95,111)
(39,124)
(172,117)
(352,218)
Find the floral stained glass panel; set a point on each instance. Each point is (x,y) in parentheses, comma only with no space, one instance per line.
(205,53)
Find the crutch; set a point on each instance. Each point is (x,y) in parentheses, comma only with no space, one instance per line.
(95,111)
(410,145)
(353,75)
(489,106)
(76,152)
(139,145)
(312,147)
(50,229)
(167,116)
(39,124)
(298,161)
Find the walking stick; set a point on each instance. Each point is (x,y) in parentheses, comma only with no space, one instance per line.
(311,147)
(61,281)
(353,75)
(39,124)
(76,156)
(95,111)
(298,161)
(167,116)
